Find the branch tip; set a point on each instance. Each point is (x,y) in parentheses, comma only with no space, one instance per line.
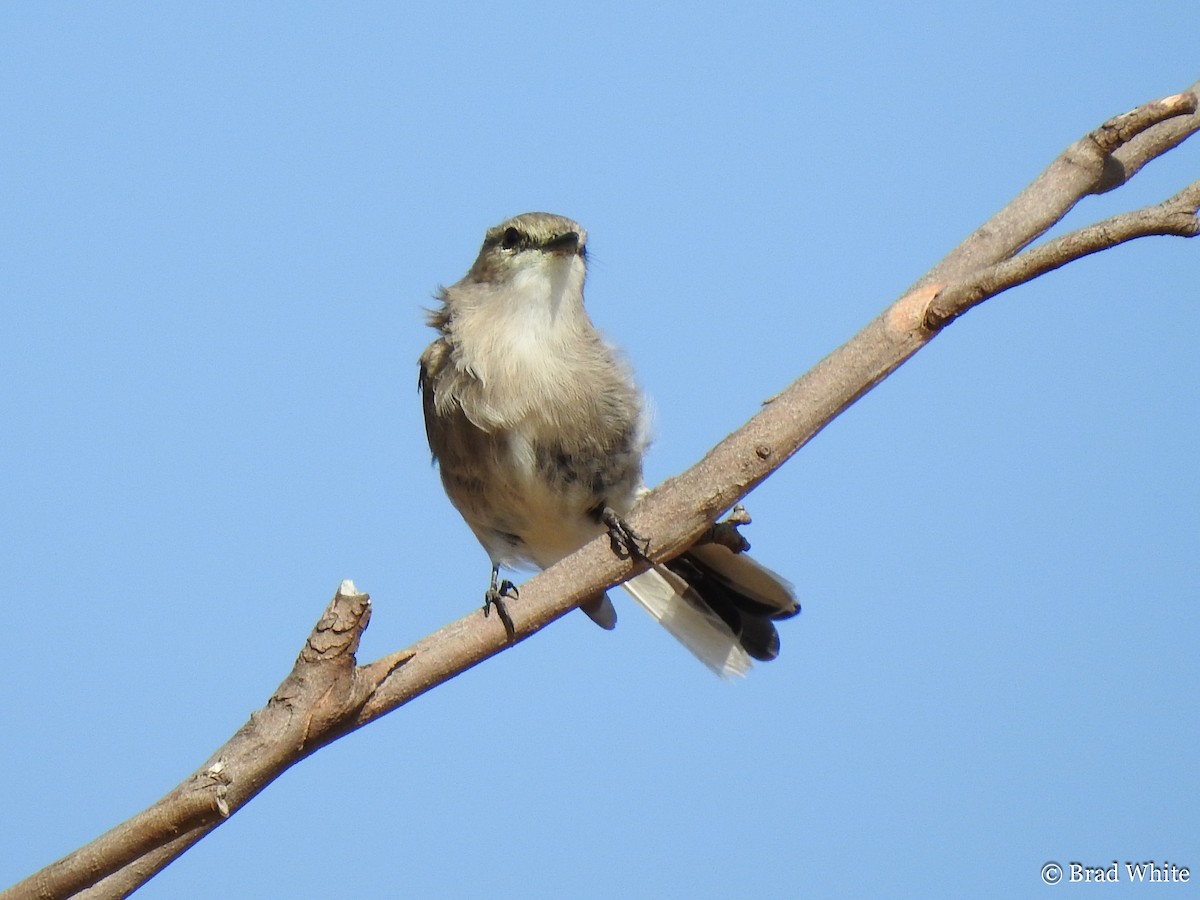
(1123,128)
(340,627)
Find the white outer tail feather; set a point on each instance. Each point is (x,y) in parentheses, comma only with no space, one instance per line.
(665,596)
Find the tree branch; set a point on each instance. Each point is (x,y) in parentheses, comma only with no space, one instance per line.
(1098,162)
(1175,216)
(328,694)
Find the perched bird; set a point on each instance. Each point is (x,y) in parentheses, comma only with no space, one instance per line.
(539,431)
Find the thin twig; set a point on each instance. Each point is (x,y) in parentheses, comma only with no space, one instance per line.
(1099,161)
(1175,216)
(1165,136)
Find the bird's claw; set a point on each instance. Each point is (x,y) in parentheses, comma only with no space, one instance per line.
(626,542)
(495,595)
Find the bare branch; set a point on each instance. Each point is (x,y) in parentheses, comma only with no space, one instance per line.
(310,708)
(327,694)
(1175,216)
(1099,161)
(1164,136)
(127,880)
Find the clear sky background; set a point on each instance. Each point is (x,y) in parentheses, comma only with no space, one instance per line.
(219,226)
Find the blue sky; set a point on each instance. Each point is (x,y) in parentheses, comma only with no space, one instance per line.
(219,228)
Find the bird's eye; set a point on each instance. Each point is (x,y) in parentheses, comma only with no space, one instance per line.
(511,238)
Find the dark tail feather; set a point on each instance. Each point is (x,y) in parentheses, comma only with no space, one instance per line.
(747,596)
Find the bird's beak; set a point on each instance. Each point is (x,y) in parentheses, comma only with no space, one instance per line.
(564,244)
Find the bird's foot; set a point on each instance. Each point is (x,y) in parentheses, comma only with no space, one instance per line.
(626,542)
(499,591)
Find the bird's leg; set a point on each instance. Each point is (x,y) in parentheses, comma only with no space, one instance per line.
(495,595)
(626,542)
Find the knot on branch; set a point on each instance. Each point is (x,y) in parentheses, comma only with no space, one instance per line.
(726,531)
(217,781)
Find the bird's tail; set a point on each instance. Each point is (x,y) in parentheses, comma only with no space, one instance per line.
(719,604)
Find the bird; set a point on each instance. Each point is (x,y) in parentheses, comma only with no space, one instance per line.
(539,431)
